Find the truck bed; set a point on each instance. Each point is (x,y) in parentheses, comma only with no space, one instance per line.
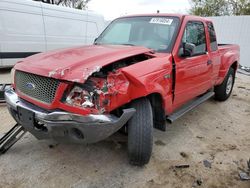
(223,48)
(226,50)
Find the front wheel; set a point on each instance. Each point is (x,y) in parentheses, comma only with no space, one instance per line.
(140,133)
(224,90)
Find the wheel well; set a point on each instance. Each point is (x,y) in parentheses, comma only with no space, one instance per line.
(235,66)
(158,111)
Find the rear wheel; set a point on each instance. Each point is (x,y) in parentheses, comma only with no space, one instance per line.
(140,133)
(224,90)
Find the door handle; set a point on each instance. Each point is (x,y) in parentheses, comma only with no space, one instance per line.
(209,62)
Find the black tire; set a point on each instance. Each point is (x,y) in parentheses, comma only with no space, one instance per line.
(140,133)
(222,92)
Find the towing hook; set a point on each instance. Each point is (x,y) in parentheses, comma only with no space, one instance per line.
(11,137)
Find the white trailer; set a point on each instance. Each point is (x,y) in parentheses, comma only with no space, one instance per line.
(28,27)
(234,30)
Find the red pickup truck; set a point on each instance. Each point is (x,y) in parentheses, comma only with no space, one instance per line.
(141,71)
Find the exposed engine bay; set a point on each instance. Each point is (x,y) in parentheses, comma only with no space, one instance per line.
(98,88)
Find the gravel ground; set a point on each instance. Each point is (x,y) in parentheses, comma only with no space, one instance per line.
(214,131)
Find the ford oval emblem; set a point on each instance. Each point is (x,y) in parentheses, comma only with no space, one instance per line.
(30,86)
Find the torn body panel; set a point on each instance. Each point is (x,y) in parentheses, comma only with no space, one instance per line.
(137,81)
(113,88)
(118,83)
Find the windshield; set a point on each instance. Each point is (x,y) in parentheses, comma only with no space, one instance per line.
(156,33)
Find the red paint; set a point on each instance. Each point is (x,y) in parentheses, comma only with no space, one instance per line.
(155,75)
(75,64)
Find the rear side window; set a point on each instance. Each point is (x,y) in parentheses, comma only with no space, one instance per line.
(195,33)
(212,36)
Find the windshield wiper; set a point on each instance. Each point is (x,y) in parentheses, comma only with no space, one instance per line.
(127,44)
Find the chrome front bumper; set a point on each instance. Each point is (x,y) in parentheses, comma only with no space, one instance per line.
(64,126)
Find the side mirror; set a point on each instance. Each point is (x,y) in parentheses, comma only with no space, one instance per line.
(95,40)
(187,50)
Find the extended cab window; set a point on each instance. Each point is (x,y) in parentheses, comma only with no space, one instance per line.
(212,36)
(195,34)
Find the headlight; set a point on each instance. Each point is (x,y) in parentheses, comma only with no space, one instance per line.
(80,97)
(12,74)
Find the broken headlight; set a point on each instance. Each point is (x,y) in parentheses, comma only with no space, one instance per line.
(80,97)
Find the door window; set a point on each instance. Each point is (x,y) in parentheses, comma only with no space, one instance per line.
(195,34)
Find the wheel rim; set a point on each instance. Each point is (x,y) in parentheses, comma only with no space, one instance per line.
(229,84)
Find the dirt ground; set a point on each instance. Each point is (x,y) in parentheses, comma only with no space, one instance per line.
(215,131)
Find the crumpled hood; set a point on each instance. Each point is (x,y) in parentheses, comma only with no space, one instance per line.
(77,64)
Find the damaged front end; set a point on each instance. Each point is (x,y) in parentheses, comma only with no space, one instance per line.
(80,112)
(102,88)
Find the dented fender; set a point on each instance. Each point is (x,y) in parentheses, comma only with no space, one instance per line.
(140,80)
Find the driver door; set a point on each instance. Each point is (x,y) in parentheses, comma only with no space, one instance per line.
(192,73)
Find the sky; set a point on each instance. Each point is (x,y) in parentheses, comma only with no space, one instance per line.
(111,9)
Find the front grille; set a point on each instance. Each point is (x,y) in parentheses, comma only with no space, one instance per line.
(36,87)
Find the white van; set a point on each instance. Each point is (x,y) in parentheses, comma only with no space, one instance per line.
(28,27)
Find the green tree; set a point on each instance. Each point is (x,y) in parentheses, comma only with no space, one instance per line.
(240,7)
(220,7)
(78,4)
